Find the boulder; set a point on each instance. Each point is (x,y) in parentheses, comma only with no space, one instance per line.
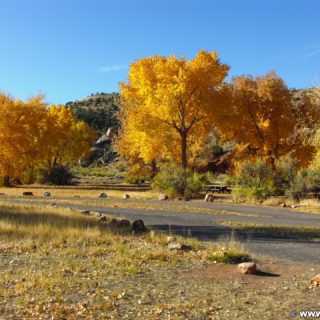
(209,197)
(138,226)
(27,193)
(47,194)
(315,281)
(102,195)
(163,197)
(247,268)
(124,223)
(125,196)
(103,219)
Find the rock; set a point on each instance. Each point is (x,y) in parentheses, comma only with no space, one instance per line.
(102,195)
(47,194)
(294,206)
(178,246)
(152,233)
(27,193)
(138,226)
(171,239)
(247,268)
(103,219)
(85,212)
(53,204)
(124,223)
(125,196)
(98,214)
(209,197)
(163,197)
(174,246)
(120,223)
(283,205)
(315,281)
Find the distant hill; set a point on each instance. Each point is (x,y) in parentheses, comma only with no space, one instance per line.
(97,110)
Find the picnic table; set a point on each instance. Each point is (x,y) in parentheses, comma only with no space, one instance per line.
(215,188)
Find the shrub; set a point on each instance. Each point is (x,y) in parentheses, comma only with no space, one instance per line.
(174,180)
(58,175)
(285,174)
(255,180)
(229,256)
(305,181)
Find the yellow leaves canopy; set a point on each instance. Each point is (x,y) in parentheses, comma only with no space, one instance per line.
(167,106)
(264,121)
(33,136)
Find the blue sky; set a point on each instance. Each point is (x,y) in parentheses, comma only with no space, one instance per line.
(68,49)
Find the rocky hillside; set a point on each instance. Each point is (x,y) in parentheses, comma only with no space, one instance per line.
(97,110)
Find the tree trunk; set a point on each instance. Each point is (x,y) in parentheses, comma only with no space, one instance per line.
(153,168)
(184,161)
(6,181)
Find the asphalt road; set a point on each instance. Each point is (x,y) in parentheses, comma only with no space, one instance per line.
(204,226)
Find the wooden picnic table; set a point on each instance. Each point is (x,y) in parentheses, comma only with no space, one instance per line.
(215,188)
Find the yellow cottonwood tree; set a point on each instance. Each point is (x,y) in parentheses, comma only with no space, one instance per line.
(167,106)
(32,136)
(69,139)
(264,121)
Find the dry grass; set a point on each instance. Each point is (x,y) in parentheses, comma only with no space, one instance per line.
(74,191)
(59,264)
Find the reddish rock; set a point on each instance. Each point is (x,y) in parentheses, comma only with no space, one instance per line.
(247,268)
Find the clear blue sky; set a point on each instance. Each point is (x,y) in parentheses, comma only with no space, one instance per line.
(68,49)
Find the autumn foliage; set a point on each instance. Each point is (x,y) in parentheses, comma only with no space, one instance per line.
(168,106)
(264,121)
(33,136)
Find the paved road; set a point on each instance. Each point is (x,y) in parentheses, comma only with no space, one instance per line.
(204,226)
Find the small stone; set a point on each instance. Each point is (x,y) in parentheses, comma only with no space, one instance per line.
(138,226)
(47,194)
(85,212)
(171,239)
(178,246)
(315,281)
(27,193)
(247,268)
(125,196)
(98,214)
(152,233)
(209,197)
(163,197)
(53,204)
(283,205)
(174,246)
(102,195)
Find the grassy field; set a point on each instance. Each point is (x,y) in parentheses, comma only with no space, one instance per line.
(60,264)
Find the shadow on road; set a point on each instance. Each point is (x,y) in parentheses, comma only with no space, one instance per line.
(209,233)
